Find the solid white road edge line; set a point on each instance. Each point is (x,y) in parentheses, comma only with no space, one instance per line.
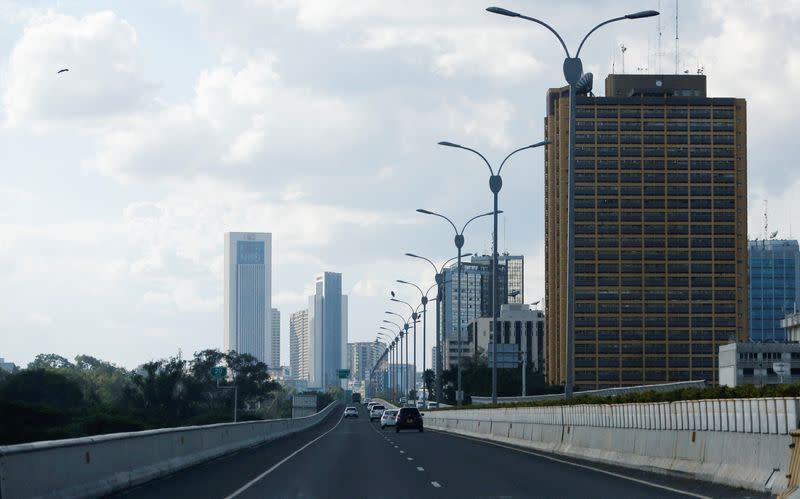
(275,466)
(584,466)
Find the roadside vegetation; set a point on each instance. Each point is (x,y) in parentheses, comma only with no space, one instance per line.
(54,398)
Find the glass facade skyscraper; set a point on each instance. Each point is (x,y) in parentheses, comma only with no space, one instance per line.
(327,325)
(774,271)
(515,267)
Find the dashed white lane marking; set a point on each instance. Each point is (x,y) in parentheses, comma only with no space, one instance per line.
(274,467)
(420,468)
(396,446)
(402,452)
(577,465)
(436,484)
(410,458)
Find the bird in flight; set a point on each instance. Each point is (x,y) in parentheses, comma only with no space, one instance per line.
(63,71)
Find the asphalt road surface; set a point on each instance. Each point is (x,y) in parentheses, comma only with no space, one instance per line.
(353,458)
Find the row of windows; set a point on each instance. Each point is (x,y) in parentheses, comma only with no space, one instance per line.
(672,216)
(630,295)
(654,268)
(656,152)
(638,335)
(654,126)
(657,138)
(727,203)
(653,242)
(654,321)
(655,164)
(652,255)
(654,308)
(655,228)
(655,190)
(635,376)
(610,347)
(613,177)
(669,112)
(640,362)
(655,281)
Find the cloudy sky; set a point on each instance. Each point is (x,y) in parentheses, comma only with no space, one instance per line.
(316,120)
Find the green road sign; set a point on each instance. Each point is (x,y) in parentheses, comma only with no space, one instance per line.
(218,372)
(344,373)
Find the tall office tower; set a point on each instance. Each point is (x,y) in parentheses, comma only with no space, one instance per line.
(275,338)
(248,294)
(327,324)
(515,266)
(476,301)
(774,271)
(361,359)
(298,344)
(660,231)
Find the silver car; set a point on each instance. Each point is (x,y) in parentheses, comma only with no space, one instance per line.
(388,418)
(376,412)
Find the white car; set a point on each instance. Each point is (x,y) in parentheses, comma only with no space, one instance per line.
(420,404)
(433,405)
(376,412)
(388,418)
(351,412)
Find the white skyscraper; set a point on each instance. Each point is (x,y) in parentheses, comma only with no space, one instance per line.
(248,294)
(276,339)
(298,344)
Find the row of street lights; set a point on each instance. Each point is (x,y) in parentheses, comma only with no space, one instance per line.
(578,83)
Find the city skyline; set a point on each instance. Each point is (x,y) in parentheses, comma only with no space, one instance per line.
(141,175)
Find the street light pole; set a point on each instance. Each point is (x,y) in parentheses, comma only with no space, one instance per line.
(459,242)
(495,184)
(439,275)
(424,303)
(573,73)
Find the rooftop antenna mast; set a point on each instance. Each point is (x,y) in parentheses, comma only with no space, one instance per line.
(623,48)
(766,225)
(677,49)
(659,39)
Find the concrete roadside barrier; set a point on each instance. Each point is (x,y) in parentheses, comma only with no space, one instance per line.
(100,465)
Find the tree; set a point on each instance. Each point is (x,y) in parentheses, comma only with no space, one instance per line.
(251,377)
(42,387)
(50,361)
(428,379)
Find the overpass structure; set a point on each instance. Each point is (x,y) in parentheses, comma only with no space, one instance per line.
(730,448)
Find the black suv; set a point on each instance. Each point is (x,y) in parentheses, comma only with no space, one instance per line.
(408,417)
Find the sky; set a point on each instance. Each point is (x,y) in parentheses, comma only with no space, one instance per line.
(317,121)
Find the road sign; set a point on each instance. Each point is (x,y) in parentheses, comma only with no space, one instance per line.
(219,372)
(344,373)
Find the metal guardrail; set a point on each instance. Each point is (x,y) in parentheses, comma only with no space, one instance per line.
(605,392)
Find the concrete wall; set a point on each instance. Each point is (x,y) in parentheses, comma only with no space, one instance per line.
(741,442)
(99,465)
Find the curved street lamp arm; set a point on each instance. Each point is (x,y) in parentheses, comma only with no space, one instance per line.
(411,284)
(537,21)
(398,326)
(404,303)
(578,53)
(477,216)
(412,255)
(429,289)
(450,144)
(428,212)
(538,144)
(398,315)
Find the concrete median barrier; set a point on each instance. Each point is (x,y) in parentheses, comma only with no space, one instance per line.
(100,465)
(742,443)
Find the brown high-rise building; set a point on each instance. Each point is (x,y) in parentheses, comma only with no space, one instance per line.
(660,231)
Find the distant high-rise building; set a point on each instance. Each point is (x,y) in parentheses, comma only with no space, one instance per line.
(660,231)
(327,324)
(361,359)
(248,294)
(298,344)
(515,268)
(276,337)
(774,272)
(476,300)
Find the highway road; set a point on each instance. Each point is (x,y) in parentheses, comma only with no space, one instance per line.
(354,458)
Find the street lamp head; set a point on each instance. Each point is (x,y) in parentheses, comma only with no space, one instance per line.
(539,144)
(412,255)
(642,14)
(402,281)
(426,212)
(392,292)
(502,11)
(448,144)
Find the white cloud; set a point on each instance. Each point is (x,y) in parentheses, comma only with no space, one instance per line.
(102,54)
